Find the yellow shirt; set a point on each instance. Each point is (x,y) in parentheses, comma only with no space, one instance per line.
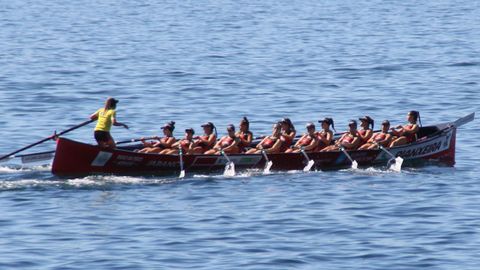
(105,119)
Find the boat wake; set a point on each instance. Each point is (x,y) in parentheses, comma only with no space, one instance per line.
(19,168)
(42,182)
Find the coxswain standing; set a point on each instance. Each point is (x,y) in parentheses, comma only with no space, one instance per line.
(106,117)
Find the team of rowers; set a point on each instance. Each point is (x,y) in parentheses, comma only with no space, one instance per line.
(281,140)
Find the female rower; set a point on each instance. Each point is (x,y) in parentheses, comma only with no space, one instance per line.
(207,140)
(163,144)
(106,116)
(186,144)
(366,132)
(269,144)
(349,140)
(228,144)
(408,133)
(288,134)
(382,138)
(244,134)
(308,142)
(325,136)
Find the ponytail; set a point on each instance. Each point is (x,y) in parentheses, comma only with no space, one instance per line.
(333,125)
(171,124)
(246,122)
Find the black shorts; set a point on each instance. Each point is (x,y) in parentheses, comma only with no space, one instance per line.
(102,136)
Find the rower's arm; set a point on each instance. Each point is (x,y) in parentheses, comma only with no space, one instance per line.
(353,144)
(312,144)
(412,130)
(170,141)
(211,139)
(297,144)
(175,144)
(217,146)
(94,116)
(259,145)
(388,137)
(290,136)
(234,144)
(275,147)
(116,123)
(328,139)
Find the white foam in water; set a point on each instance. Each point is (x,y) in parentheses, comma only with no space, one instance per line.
(370,171)
(25,183)
(112,179)
(18,168)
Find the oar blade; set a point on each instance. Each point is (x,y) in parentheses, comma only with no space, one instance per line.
(229,170)
(354,165)
(397,164)
(182,174)
(267,168)
(309,166)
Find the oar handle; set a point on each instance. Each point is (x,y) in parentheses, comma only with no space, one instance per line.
(136,140)
(385,150)
(346,153)
(47,139)
(304,154)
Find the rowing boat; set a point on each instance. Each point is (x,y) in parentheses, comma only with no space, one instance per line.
(436,144)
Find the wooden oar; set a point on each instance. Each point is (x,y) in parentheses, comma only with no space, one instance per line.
(354,162)
(12,154)
(136,140)
(268,163)
(395,162)
(310,163)
(180,155)
(229,167)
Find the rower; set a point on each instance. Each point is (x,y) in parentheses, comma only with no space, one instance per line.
(349,140)
(207,140)
(366,132)
(325,136)
(288,134)
(408,133)
(382,138)
(270,144)
(308,142)
(106,116)
(245,135)
(186,144)
(163,144)
(228,144)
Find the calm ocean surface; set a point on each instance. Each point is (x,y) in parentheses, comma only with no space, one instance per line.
(197,61)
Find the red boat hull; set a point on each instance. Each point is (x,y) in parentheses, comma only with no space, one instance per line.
(75,158)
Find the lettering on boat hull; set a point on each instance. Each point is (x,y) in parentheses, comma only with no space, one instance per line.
(101,159)
(422,149)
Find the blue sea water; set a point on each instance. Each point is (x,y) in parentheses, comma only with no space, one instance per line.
(197,61)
